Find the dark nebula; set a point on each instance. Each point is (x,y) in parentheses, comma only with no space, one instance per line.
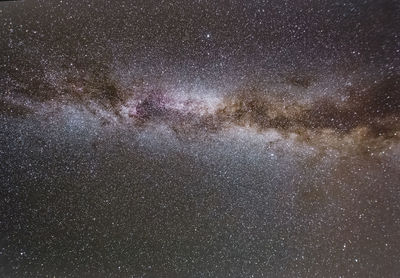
(199,138)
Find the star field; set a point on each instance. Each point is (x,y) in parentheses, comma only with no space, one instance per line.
(199,138)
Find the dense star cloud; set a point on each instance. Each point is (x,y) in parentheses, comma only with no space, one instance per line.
(199,138)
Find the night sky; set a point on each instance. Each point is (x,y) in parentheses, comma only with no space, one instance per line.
(200,138)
